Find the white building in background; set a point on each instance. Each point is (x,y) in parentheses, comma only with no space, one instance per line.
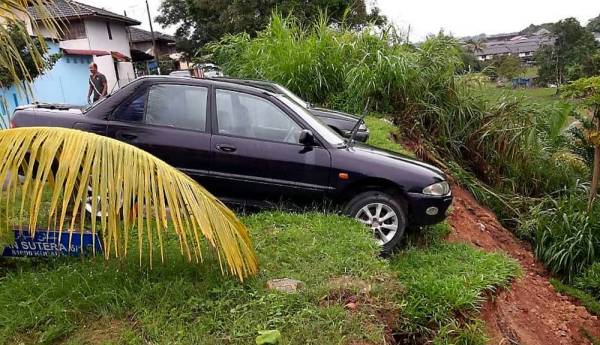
(515,44)
(95,32)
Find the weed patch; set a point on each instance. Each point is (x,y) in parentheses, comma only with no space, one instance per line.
(384,135)
(446,283)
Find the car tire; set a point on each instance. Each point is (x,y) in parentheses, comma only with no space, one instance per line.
(380,211)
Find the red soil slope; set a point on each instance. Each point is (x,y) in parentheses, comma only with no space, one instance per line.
(531,312)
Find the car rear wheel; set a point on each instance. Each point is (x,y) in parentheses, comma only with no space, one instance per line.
(88,204)
(382,214)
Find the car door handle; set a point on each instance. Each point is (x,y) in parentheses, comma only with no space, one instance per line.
(226,148)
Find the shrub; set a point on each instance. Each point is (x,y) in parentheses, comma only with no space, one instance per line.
(589,280)
(565,233)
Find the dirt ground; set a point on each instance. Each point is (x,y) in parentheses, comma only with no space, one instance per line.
(531,312)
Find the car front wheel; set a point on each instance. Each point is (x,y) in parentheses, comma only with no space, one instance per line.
(382,214)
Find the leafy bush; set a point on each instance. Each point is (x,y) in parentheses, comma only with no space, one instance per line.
(565,233)
(589,280)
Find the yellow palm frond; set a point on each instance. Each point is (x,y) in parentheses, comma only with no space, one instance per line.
(133,193)
(15,13)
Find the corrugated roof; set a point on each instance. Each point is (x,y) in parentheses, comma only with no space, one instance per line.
(140,35)
(66,9)
(524,45)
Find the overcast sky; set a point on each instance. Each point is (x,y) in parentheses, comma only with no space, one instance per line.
(459,17)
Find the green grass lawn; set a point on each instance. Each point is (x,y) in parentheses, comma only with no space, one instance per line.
(538,95)
(428,291)
(381,132)
(68,301)
(182,303)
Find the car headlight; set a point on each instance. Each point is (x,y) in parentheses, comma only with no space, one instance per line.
(437,189)
(362,127)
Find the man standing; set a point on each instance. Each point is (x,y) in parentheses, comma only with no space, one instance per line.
(97,81)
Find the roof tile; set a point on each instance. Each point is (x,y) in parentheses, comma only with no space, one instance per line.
(67,9)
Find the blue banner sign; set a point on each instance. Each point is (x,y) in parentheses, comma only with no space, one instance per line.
(46,243)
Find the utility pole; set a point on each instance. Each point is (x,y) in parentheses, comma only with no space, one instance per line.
(153,39)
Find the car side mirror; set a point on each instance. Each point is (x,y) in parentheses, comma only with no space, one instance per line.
(307,138)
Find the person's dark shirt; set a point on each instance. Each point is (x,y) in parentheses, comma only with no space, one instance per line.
(97,84)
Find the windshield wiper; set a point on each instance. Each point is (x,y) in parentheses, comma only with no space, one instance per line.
(360,121)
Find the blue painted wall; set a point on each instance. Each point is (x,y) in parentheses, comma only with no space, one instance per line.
(67,82)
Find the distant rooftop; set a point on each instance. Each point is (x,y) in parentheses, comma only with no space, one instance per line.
(519,44)
(501,36)
(541,32)
(66,9)
(140,35)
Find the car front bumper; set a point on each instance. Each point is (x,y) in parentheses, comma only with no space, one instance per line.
(421,208)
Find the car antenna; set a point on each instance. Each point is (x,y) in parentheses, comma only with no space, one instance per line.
(359,122)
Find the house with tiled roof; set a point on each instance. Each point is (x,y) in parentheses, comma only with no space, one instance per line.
(89,34)
(96,33)
(515,44)
(141,40)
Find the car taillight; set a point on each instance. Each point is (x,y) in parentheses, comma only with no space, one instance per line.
(12,124)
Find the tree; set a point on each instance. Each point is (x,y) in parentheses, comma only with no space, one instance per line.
(32,66)
(469,61)
(594,24)
(506,66)
(532,28)
(563,61)
(133,189)
(203,21)
(12,15)
(588,90)
(476,45)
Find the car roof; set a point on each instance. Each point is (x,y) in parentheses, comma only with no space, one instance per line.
(202,81)
(262,84)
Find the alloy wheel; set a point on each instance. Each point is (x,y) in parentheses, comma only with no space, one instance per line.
(88,204)
(382,220)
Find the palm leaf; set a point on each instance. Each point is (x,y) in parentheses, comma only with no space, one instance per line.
(133,190)
(15,13)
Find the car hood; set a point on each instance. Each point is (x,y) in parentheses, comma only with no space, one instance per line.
(334,114)
(384,156)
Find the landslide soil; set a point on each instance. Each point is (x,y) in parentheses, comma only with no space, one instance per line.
(530,311)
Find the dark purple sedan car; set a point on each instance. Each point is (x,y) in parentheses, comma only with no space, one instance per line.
(245,143)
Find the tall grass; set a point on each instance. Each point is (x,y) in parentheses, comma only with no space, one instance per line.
(509,144)
(565,233)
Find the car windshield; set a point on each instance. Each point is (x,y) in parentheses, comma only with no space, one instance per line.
(325,131)
(94,104)
(292,96)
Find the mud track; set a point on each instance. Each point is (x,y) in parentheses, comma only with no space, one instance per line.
(530,311)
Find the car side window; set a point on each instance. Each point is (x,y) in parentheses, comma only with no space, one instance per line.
(132,111)
(180,106)
(249,116)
